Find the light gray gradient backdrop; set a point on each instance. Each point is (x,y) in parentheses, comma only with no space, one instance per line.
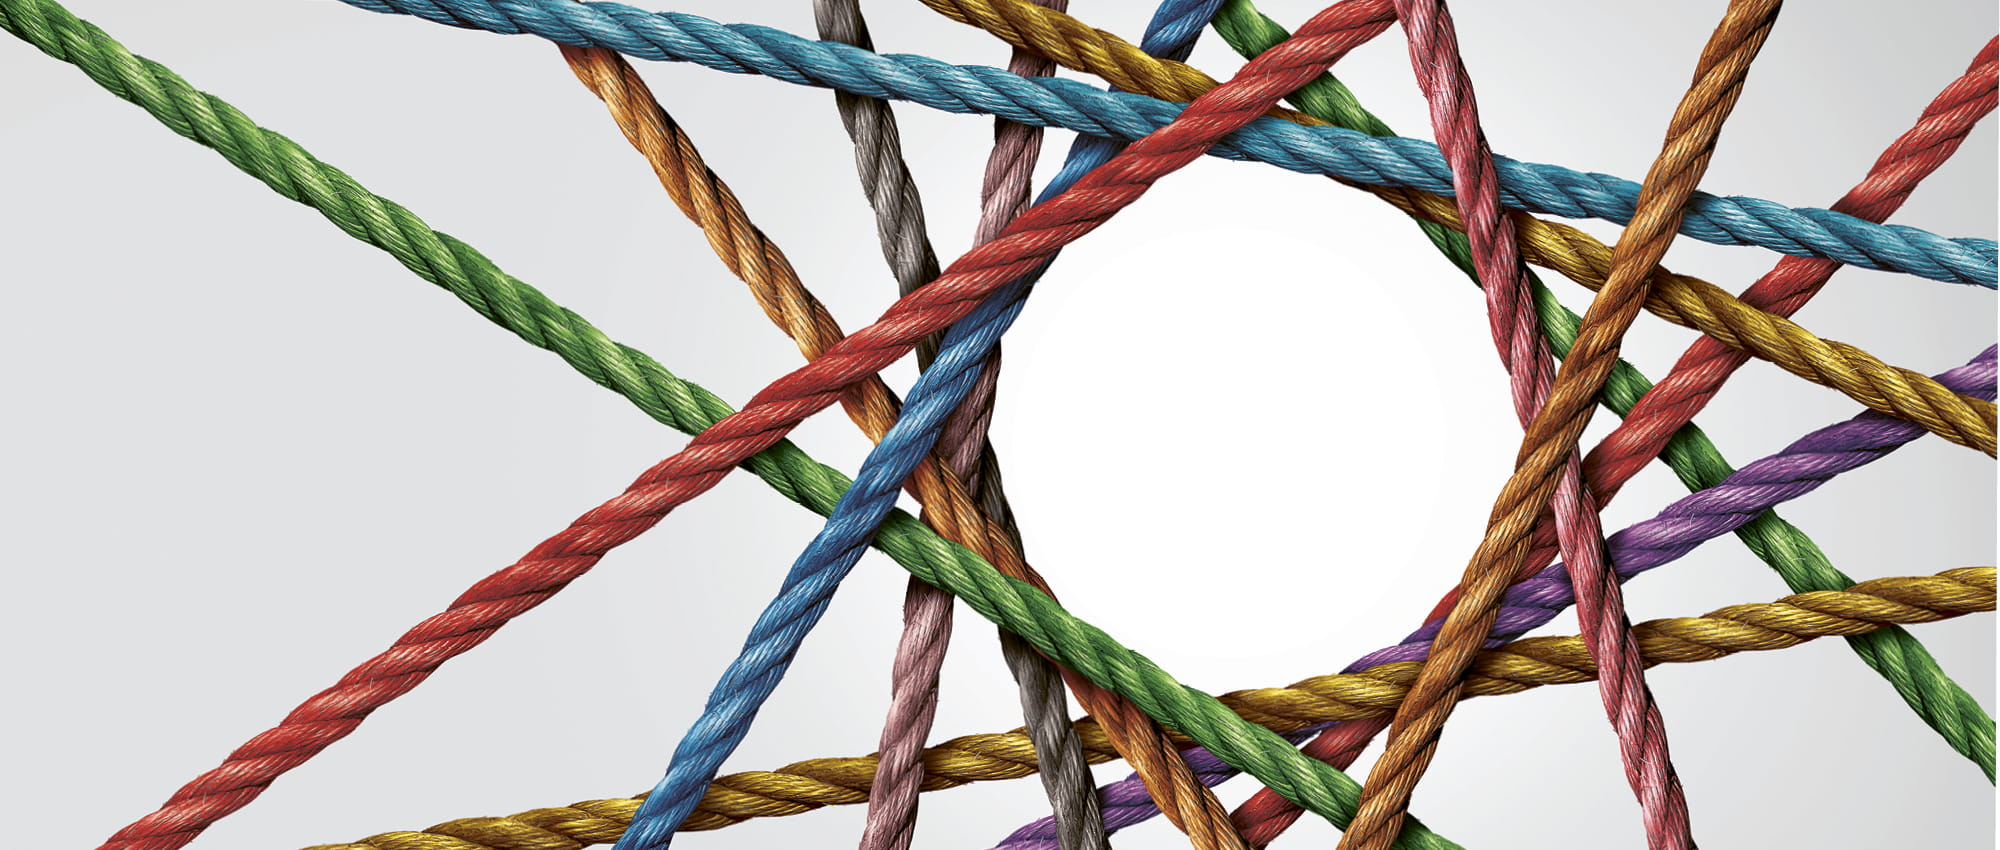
(1253,427)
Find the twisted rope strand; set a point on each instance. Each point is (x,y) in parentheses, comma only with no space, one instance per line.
(872,127)
(1895,174)
(438,258)
(1552,436)
(1738,501)
(749,253)
(1447,86)
(1054,102)
(1684,300)
(1510,668)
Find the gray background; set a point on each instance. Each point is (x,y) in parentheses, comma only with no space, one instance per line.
(245,451)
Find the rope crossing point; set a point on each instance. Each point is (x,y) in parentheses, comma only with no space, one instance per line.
(1475,207)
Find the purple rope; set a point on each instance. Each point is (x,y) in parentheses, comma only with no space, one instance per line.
(1126,802)
(1693,520)
(1710,513)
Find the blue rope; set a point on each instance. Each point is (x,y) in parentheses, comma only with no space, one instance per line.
(1332,151)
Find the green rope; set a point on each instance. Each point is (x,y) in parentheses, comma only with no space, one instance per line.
(292,172)
(1892,652)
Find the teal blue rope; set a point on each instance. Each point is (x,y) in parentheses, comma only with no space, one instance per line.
(1332,151)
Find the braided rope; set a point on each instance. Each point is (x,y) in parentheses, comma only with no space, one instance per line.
(1054,102)
(1552,437)
(1447,86)
(1510,668)
(1680,299)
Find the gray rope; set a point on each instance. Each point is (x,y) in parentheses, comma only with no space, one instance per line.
(899,223)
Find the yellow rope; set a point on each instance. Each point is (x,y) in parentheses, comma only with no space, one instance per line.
(1376,691)
(1680,299)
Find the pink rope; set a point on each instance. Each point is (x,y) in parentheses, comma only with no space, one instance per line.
(927,610)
